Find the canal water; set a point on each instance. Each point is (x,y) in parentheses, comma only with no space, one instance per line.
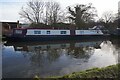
(45,59)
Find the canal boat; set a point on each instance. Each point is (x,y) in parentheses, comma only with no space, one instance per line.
(37,34)
(116,33)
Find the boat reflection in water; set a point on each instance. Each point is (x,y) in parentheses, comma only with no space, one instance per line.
(56,58)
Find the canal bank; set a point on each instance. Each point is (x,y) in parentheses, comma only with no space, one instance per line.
(110,72)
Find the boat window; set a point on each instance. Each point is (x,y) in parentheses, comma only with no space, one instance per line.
(18,31)
(48,32)
(81,32)
(63,32)
(37,32)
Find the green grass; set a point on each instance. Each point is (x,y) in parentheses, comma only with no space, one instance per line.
(107,72)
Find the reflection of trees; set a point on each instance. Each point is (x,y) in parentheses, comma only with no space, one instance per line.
(116,42)
(41,57)
(37,59)
(111,47)
(48,53)
(53,54)
(80,52)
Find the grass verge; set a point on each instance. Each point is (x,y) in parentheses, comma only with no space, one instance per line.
(110,72)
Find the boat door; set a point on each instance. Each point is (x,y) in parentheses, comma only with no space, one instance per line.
(72,32)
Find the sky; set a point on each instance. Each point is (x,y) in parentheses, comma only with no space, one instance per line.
(9,9)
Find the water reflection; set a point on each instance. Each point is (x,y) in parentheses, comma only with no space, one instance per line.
(56,58)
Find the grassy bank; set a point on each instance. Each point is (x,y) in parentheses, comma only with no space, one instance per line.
(107,72)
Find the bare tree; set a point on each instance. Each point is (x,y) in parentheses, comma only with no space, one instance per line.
(53,13)
(116,21)
(107,17)
(81,14)
(33,12)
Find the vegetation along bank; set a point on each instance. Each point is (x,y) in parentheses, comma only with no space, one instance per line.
(111,71)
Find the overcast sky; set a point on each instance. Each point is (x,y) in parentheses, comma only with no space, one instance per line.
(9,9)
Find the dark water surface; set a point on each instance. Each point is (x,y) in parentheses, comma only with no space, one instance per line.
(25,60)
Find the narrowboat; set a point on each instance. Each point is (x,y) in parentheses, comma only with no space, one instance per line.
(116,33)
(37,34)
